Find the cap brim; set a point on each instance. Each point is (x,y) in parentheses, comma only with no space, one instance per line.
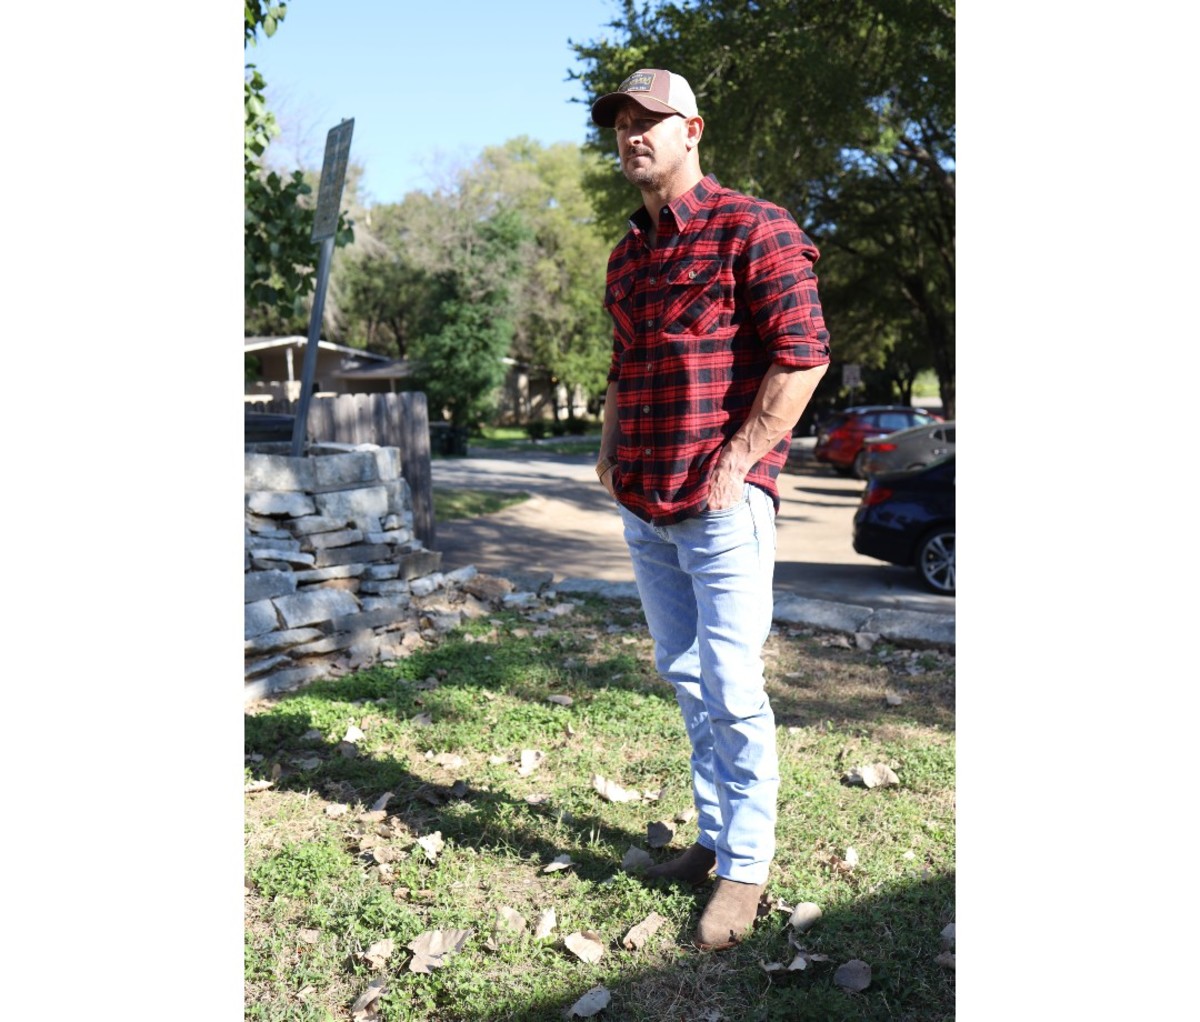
(604,110)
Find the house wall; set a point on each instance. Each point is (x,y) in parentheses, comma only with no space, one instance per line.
(275,372)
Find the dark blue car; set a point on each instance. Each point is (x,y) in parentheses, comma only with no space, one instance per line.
(907,518)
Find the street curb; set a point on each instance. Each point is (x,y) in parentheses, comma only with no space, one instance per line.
(898,625)
(907,626)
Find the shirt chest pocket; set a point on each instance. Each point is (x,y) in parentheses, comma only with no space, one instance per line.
(698,297)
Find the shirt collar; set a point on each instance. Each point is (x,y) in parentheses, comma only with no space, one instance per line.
(683,207)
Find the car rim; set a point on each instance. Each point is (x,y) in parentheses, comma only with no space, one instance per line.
(938,562)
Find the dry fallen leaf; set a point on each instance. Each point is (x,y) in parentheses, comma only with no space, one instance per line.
(948,935)
(377,954)
(595,1000)
(560,700)
(336,809)
(546,924)
(375,989)
(853,975)
(636,859)
(560,862)
(686,815)
(309,936)
(659,834)
(945,960)
(508,924)
(893,698)
(433,946)
(638,935)
(433,844)
(254,786)
(835,862)
(613,792)
(874,776)
(804,915)
(587,945)
(446,759)
(531,759)
(850,858)
(353,735)
(423,719)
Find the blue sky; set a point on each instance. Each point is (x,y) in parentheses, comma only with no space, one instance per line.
(429,85)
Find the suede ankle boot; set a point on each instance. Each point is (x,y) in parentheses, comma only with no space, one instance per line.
(692,867)
(729,915)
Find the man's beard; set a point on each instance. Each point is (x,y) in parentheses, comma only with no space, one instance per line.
(648,176)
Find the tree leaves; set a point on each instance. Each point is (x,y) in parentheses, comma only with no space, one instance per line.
(875,775)
(637,936)
(854,975)
(594,1001)
(433,947)
(586,945)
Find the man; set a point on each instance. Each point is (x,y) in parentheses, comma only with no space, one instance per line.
(718,344)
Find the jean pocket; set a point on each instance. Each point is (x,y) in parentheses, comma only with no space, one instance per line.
(726,512)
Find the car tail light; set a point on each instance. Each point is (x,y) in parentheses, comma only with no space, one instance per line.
(876,495)
(876,447)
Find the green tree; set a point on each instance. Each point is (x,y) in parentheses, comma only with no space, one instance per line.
(843,112)
(461,364)
(280,255)
(385,291)
(560,324)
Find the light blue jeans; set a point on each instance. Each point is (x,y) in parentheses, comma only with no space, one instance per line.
(706,590)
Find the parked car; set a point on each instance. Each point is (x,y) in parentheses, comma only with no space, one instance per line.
(909,448)
(907,518)
(841,435)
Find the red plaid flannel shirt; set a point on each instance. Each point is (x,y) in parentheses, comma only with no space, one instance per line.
(728,290)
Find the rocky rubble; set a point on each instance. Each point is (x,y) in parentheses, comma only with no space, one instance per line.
(335,579)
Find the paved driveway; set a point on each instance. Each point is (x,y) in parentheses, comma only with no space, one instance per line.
(570,528)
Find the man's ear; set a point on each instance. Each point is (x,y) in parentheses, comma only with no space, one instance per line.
(694,126)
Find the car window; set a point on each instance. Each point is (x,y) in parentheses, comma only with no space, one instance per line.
(948,435)
(892,421)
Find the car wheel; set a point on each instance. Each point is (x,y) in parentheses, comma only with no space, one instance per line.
(859,467)
(935,561)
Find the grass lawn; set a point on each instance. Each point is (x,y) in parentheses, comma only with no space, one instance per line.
(516,438)
(431,794)
(450,503)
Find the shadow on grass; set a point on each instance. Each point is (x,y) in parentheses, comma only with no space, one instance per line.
(894,925)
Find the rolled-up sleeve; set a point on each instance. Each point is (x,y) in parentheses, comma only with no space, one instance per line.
(781,288)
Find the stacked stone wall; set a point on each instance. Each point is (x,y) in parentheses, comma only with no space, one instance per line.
(335,578)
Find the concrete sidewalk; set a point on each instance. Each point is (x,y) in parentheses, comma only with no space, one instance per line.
(568,535)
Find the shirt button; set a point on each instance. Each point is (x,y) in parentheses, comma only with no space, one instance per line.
(647,450)
(645,408)
(650,324)
(653,280)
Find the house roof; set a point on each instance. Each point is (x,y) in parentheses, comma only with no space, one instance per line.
(267,343)
(398,369)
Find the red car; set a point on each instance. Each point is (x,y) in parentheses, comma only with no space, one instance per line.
(840,436)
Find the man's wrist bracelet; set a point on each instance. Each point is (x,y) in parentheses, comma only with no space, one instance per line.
(605,465)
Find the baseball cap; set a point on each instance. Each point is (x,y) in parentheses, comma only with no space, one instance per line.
(653,88)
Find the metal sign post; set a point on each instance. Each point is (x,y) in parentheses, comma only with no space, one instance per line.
(851,378)
(329,201)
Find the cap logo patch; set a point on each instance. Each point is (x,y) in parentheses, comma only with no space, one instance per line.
(639,81)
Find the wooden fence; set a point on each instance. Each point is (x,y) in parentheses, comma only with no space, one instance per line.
(389,420)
